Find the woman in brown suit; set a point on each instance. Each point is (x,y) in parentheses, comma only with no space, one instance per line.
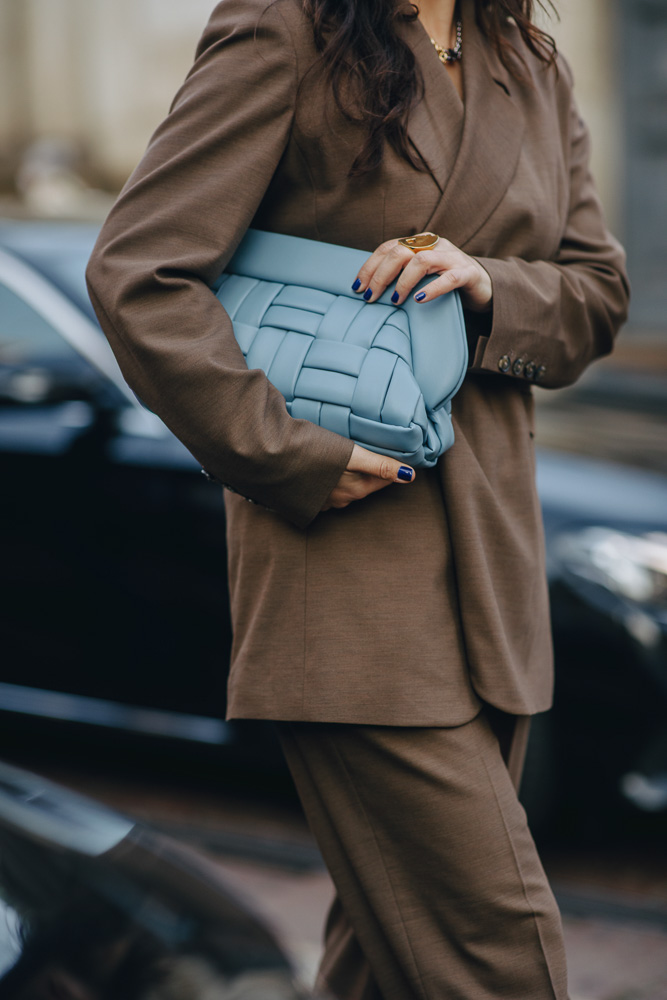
(398,630)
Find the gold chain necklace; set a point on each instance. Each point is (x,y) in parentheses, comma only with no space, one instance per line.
(450,55)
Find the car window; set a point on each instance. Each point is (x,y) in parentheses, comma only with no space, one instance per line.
(26,337)
(66,271)
(36,362)
(58,251)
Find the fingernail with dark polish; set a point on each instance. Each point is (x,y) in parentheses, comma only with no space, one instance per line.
(368,293)
(395,297)
(356,285)
(420,296)
(405,474)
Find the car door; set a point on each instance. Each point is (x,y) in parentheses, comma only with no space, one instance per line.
(112,577)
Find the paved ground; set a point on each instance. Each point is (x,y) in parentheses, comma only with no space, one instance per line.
(614,901)
(609,959)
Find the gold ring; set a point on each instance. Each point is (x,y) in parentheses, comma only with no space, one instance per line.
(422,241)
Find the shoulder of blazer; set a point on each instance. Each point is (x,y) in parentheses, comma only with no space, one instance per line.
(540,76)
(545,88)
(284,17)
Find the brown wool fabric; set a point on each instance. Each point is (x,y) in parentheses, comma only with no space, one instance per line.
(419,614)
(440,892)
(408,608)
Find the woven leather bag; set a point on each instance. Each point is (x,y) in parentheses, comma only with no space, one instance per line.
(380,374)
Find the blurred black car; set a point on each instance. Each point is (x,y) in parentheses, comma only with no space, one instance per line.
(114,607)
(96,907)
(605,741)
(113,543)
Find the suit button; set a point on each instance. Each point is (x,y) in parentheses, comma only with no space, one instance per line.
(530,369)
(504,363)
(541,371)
(517,367)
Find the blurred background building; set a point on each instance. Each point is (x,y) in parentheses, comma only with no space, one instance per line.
(84,82)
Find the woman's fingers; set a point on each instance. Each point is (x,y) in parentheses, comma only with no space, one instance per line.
(424,263)
(458,277)
(363,278)
(380,466)
(472,281)
(381,268)
(354,486)
(388,267)
(455,268)
(365,474)
(410,268)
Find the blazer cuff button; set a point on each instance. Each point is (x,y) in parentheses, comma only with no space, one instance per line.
(504,363)
(517,367)
(540,373)
(530,369)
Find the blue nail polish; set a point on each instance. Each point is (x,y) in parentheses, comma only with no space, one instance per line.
(420,296)
(395,297)
(368,293)
(356,285)
(405,474)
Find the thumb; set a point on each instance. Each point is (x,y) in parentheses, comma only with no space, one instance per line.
(380,466)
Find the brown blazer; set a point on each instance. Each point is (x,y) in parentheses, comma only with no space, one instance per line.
(407,606)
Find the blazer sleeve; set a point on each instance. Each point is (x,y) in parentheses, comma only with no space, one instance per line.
(174,228)
(563,313)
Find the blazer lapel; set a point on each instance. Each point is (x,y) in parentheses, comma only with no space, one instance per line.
(435,124)
(473,171)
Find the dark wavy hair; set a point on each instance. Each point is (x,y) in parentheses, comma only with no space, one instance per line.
(373,73)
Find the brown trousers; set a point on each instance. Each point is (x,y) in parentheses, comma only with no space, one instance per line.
(440,891)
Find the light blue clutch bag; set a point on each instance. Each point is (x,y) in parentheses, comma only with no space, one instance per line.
(380,374)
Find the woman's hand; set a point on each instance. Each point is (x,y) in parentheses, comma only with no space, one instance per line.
(367,472)
(455,269)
